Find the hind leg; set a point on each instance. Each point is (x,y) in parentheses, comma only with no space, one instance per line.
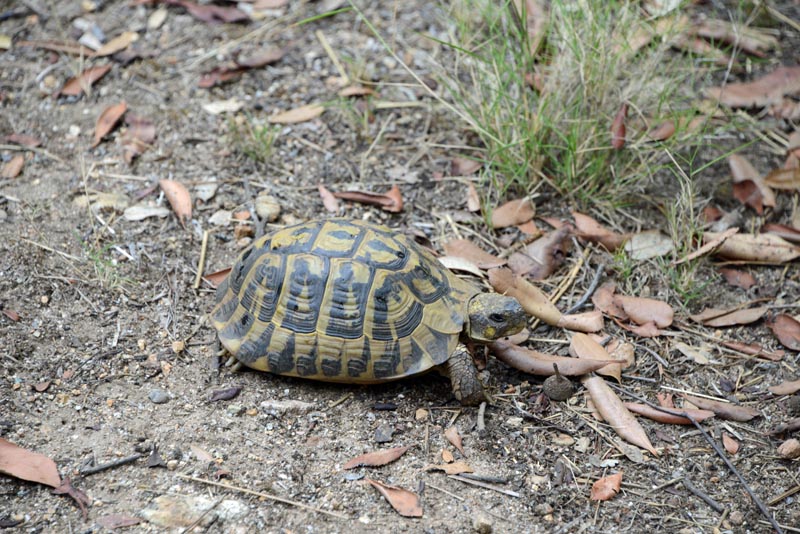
(463,375)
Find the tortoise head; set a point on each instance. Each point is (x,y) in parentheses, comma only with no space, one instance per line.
(492,316)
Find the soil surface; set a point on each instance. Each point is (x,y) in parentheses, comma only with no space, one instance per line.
(106,352)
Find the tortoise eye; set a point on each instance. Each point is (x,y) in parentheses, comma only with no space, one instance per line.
(496,317)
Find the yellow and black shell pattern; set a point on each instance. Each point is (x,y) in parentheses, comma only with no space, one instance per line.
(340,300)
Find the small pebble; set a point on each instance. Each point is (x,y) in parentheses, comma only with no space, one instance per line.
(482,523)
(736,518)
(543,509)
(383,434)
(158,396)
(172,465)
(235,409)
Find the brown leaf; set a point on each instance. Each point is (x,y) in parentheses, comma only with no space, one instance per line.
(108,120)
(591,321)
(473,200)
(532,299)
(13,167)
(545,254)
(787,329)
(604,300)
(583,346)
(591,230)
(391,201)
(447,456)
(762,248)
(787,179)
(725,410)
(301,114)
(455,468)
(789,449)
(648,411)
(464,166)
(138,137)
(212,13)
(376,458)
(512,213)
(730,444)
(67,47)
(80,498)
(785,388)
(644,310)
(717,318)
(738,278)
(755,349)
(454,438)
(113,521)
(328,199)
(540,364)
(789,233)
(615,414)
(261,58)
(219,75)
(403,501)
(11,314)
(22,140)
(179,198)
(117,44)
(662,132)
(708,246)
(81,83)
(463,248)
(200,453)
(217,277)
(748,186)
(26,465)
(752,40)
(456,263)
(607,487)
(764,91)
(618,128)
(355,90)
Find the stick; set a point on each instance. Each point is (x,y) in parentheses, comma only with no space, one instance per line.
(481,424)
(480,484)
(331,54)
(705,497)
(110,465)
(598,274)
(22,148)
(263,495)
(201,264)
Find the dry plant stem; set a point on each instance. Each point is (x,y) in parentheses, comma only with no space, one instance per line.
(788,493)
(264,495)
(110,465)
(761,507)
(528,415)
(652,353)
(202,263)
(332,55)
(573,274)
(54,251)
(41,151)
(598,274)
(717,507)
(481,423)
(485,485)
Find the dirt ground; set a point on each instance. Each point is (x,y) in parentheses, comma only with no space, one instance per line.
(93,369)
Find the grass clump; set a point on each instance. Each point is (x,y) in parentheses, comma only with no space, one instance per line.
(255,141)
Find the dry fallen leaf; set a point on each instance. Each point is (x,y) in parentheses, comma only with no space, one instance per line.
(591,230)
(662,132)
(532,299)
(725,410)
(615,414)
(113,521)
(80,498)
(787,179)
(761,248)
(755,349)
(512,213)
(463,248)
(583,346)
(648,411)
(261,58)
(108,120)
(403,501)
(618,128)
(707,247)
(211,13)
(81,83)
(455,468)
(606,487)
(717,318)
(464,166)
(27,465)
(789,449)
(13,167)
(22,140)
(355,90)
(644,310)
(447,456)
(454,438)
(117,44)
(179,198)
(201,454)
(544,256)
(376,458)
(785,388)
(752,40)
(699,355)
(748,185)
(391,201)
(787,329)
(138,137)
(328,199)
(730,444)
(540,364)
(789,233)
(764,91)
(649,244)
(738,278)
(301,114)
(217,277)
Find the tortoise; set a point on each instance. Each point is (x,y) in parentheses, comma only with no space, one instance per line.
(349,301)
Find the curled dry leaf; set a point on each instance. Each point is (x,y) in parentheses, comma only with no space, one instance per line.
(607,487)
(755,349)
(618,128)
(138,137)
(454,438)
(591,230)
(532,299)
(789,233)
(108,120)
(662,132)
(27,465)
(81,83)
(328,199)
(717,318)
(301,114)
(216,278)
(464,166)
(473,200)
(391,201)
(786,179)
(512,213)
(730,444)
(13,167)
(583,346)
(738,278)
(761,248)
(540,364)
(648,244)
(179,198)
(113,521)
(698,354)
(615,414)
(376,458)
(117,44)
(603,299)
(767,90)
(261,58)
(447,456)
(455,263)
(708,246)
(355,90)
(403,501)
(644,310)
(785,388)
(591,321)
(787,329)
(648,411)
(22,140)
(463,248)
(789,449)
(725,410)
(455,468)
(752,40)
(544,256)
(757,194)
(80,498)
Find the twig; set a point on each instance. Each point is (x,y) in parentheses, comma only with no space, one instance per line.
(598,273)
(528,415)
(201,264)
(666,484)
(23,148)
(484,478)
(485,485)
(462,499)
(481,423)
(49,249)
(571,276)
(110,465)
(761,507)
(197,521)
(263,495)
(343,399)
(717,507)
(332,55)
(788,493)
(652,353)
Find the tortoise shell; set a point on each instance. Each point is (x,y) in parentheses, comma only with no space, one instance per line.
(341,301)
